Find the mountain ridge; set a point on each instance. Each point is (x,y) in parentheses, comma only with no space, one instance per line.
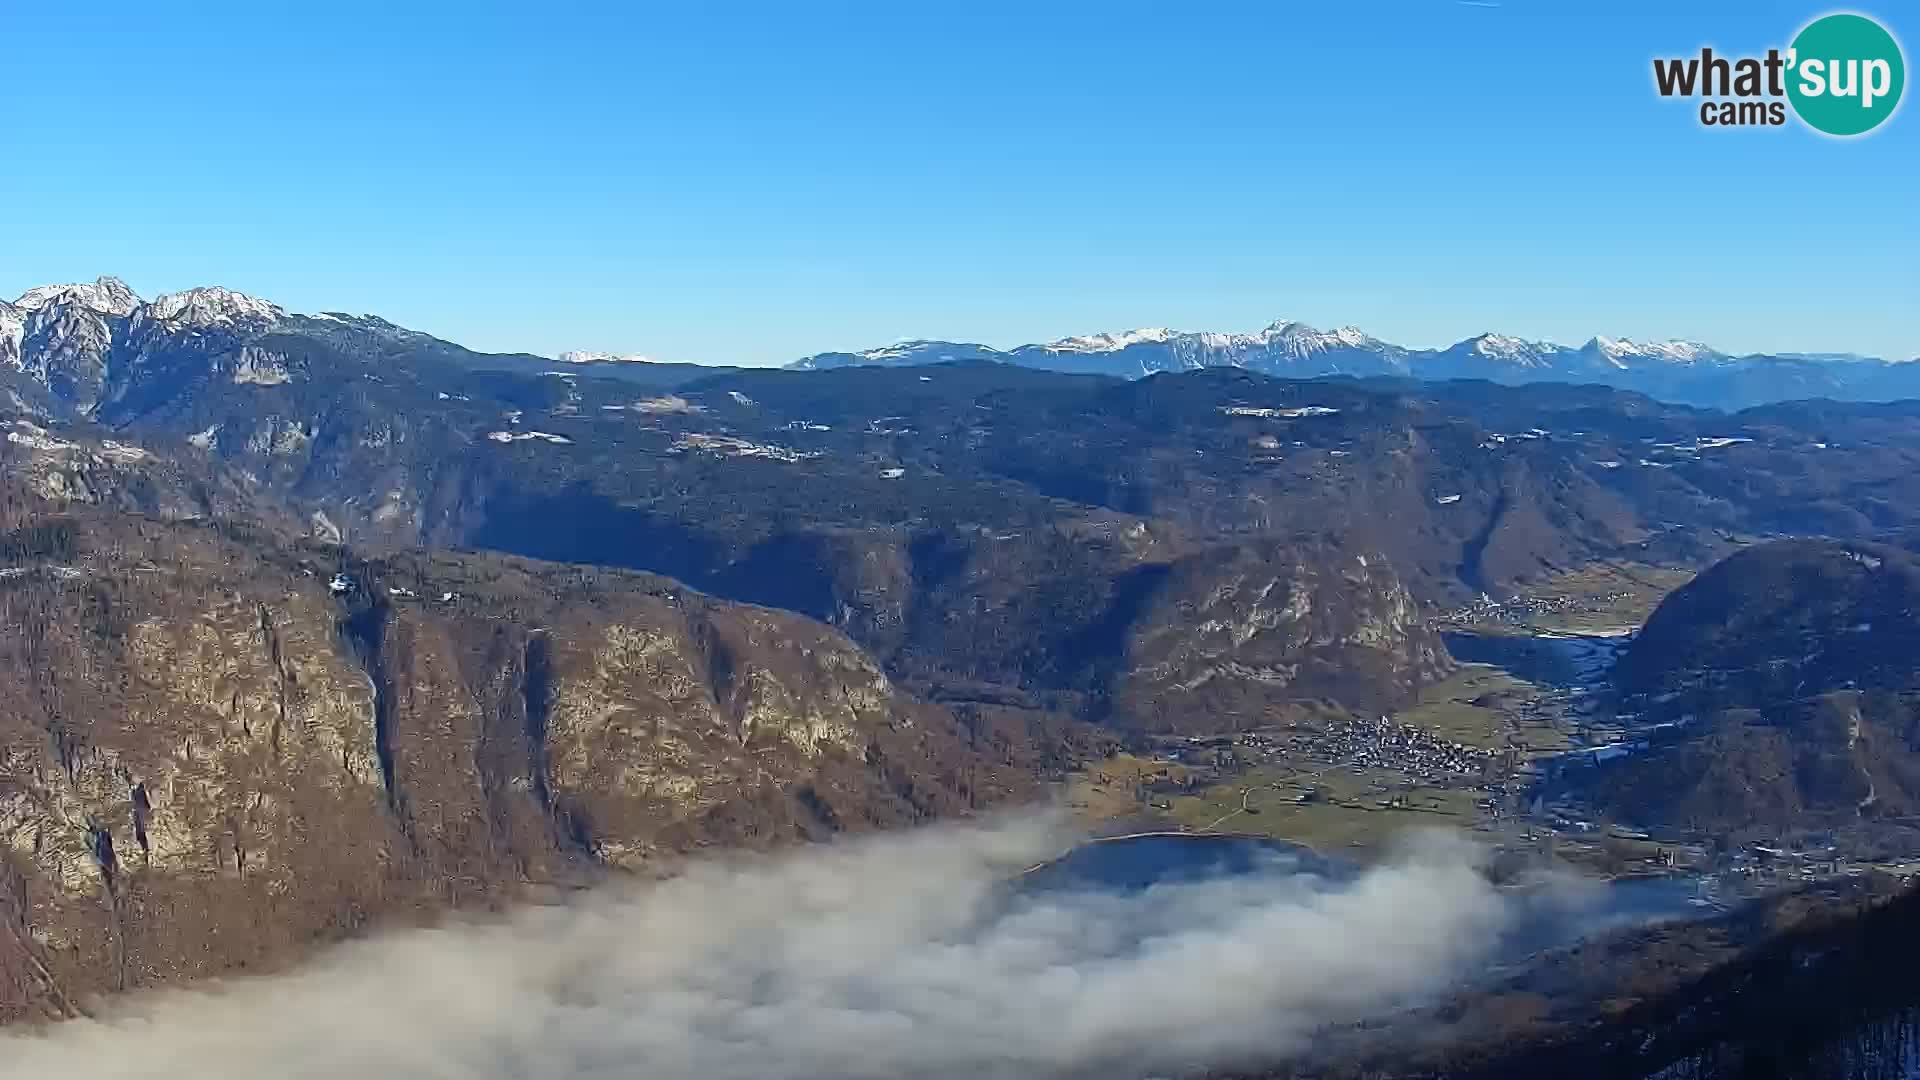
(1685,372)
(1679,371)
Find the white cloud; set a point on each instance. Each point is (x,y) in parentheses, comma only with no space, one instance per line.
(905,954)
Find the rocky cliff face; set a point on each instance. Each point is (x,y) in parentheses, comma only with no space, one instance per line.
(214,751)
(58,465)
(1140,627)
(1231,637)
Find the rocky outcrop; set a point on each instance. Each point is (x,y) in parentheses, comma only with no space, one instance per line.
(1229,638)
(52,465)
(216,748)
(67,348)
(1107,616)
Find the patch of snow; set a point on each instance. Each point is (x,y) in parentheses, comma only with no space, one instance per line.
(1619,351)
(106,295)
(1516,351)
(504,437)
(918,349)
(585,356)
(666,403)
(729,446)
(1446,500)
(121,452)
(34,437)
(1299,340)
(1290,414)
(1091,343)
(211,306)
(892,474)
(740,399)
(204,439)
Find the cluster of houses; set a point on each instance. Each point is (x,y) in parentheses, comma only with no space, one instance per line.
(1520,610)
(1383,744)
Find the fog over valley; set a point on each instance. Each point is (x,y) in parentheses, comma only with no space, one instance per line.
(906,954)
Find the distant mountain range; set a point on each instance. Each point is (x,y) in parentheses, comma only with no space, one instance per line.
(95,347)
(81,341)
(1680,371)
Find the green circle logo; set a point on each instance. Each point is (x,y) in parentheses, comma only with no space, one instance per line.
(1845,74)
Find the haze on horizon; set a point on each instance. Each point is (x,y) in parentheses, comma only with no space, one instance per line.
(754,185)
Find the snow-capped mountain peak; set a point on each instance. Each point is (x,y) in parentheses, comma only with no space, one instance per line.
(1618,351)
(1112,342)
(896,350)
(212,306)
(587,356)
(1513,350)
(1298,339)
(923,350)
(106,295)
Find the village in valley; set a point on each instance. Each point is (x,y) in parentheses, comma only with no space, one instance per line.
(1479,753)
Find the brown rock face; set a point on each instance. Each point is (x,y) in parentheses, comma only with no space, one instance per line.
(210,758)
(1231,635)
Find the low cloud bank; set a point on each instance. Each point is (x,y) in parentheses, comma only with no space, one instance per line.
(903,955)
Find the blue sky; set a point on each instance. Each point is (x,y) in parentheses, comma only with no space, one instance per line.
(750,183)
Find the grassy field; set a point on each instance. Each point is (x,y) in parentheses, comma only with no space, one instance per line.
(1346,816)
(1487,708)
(1611,595)
(1105,789)
(1466,707)
(1347,810)
(1599,598)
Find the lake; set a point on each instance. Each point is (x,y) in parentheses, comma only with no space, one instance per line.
(1130,864)
(1546,914)
(1563,661)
